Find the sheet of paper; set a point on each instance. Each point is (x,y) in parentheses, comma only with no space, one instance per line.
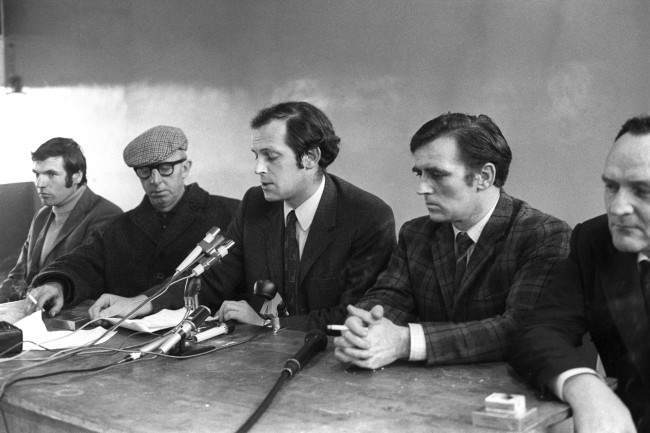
(34,330)
(164,319)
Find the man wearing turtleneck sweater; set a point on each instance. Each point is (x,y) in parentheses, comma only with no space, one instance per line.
(70,214)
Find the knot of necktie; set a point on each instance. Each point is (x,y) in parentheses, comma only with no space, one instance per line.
(463,242)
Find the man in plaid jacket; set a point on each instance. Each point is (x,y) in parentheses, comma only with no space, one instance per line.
(463,277)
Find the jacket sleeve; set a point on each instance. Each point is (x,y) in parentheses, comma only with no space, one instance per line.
(546,344)
(81,272)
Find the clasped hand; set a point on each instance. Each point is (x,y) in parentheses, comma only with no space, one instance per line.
(371,341)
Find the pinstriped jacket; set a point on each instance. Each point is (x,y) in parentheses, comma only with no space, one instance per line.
(508,268)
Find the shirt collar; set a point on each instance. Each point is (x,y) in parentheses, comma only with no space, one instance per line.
(307,210)
(642,257)
(475,231)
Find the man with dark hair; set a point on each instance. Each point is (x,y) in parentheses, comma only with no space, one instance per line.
(71,212)
(319,239)
(134,254)
(463,277)
(603,288)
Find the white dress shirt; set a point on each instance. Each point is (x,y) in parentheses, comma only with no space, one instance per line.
(305,215)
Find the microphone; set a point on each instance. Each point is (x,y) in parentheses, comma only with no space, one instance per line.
(315,341)
(188,326)
(216,254)
(202,247)
(167,342)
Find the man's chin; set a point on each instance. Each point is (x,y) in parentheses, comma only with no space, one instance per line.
(269,196)
(627,244)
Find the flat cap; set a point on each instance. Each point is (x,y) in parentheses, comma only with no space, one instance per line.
(154,145)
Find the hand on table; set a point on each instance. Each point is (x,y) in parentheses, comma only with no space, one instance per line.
(240,311)
(48,296)
(109,305)
(596,409)
(371,341)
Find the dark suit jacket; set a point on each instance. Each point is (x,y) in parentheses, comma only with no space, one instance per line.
(597,290)
(137,251)
(349,242)
(90,213)
(506,271)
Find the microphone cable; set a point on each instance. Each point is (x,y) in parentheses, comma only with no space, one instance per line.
(285,375)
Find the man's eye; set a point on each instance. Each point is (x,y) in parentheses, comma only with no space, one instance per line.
(610,187)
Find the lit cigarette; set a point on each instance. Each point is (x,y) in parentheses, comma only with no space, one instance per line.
(339,328)
(32,299)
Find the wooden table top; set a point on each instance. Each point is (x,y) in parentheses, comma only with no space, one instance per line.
(218,391)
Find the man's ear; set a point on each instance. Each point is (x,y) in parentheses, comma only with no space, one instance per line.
(76,178)
(187,165)
(311,157)
(485,177)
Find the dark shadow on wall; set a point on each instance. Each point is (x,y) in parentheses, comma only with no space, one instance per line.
(18,204)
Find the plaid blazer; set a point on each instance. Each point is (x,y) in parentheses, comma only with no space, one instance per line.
(508,268)
(597,289)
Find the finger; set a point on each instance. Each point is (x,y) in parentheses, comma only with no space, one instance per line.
(356,353)
(42,298)
(356,327)
(56,307)
(338,353)
(341,342)
(377,312)
(97,306)
(360,313)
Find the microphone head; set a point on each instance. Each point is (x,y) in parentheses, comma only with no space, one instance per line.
(318,338)
(265,288)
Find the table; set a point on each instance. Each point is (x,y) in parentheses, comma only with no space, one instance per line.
(218,391)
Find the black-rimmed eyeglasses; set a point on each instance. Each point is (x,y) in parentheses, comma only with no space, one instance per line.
(164,168)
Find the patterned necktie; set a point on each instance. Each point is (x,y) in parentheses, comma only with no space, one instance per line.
(291,263)
(463,242)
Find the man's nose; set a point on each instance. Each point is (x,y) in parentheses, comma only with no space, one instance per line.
(620,203)
(155,177)
(425,187)
(260,166)
(41,181)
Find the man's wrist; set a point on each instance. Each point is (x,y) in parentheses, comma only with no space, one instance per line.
(404,342)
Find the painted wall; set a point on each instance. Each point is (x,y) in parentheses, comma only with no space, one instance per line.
(559,78)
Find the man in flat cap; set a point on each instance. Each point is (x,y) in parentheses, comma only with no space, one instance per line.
(70,213)
(142,247)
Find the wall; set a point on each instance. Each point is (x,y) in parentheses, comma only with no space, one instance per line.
(558,77)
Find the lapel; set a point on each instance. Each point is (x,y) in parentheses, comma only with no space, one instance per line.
(184,216)
(320,235)
(79,212)
(622,287)
(495,229)
(272,231)
(35,256)
(444,263)
(143,216)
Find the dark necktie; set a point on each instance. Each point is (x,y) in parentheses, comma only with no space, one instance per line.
(644,270)
(291,263)
(463,242)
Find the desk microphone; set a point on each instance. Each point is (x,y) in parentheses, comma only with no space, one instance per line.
(202,247)
(216,254)
(167,342)
(315,341)
(188,326)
